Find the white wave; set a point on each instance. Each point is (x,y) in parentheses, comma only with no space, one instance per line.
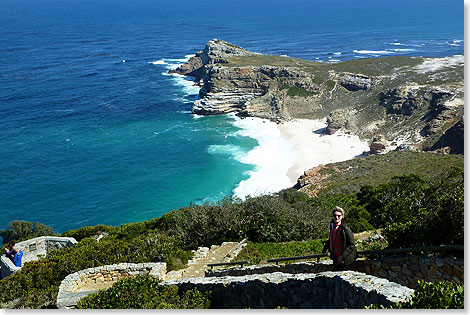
(234,151)
(184,112)
(284,55)
(272,157)
(158,62)
(196,116)
(372,52)
(396,44)
(334,60)
(188,85)
(337,53)
(403,49)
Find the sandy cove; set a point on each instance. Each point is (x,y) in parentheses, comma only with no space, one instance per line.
(316,148)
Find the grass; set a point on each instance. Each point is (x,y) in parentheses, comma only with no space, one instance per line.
(349,176)
(296,91)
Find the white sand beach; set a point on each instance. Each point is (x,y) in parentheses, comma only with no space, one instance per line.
(317,148)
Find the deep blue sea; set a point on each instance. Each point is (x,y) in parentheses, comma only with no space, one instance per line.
(93,130)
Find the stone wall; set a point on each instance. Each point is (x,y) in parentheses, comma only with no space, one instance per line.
(346,289)
(404,270)
(408,270)
(34,249)
(75,285)
(7,267)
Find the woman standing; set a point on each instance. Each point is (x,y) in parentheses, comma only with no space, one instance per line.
(341,242)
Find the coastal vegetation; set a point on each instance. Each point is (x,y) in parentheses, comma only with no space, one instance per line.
(411,210)
(144,292)
(20,230)
(432,295)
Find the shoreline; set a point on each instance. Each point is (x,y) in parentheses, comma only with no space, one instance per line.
(316,148)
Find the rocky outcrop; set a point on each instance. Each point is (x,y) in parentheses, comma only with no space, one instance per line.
(355,82)
(216,51)
(405,100)
(338,119)
(193,67)
(410,100)
(452,140)
(379,145)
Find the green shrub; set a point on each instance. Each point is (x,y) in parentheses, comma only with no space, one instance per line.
(260,219)
(438,220)
(38,281)
(88,231)
(19,230)
(259,252)
(429,295)
(144,292)
(35,285)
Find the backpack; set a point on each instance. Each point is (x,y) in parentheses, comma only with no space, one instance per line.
(17,258)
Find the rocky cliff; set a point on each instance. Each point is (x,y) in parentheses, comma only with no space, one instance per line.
(413,102)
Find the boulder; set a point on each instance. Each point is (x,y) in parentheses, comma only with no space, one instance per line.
(338,119)
(379,145)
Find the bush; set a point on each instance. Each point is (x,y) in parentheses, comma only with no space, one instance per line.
(38,281)
(439,219)
(429,295)
(259,252)
(260,219)
(144,292)
(88,231)
(19,230)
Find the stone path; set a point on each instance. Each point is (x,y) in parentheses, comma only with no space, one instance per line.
(203,256)
(196,269)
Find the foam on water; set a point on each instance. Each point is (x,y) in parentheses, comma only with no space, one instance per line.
(171,64)
(272,157)
(403,49)
(231,150)
(372,52)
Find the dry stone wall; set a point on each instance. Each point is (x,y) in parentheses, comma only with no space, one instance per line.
(345,289)
(408,270)
(404,270)
(75,285)
(34,249)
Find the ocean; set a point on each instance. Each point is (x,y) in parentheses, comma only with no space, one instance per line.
(94,130)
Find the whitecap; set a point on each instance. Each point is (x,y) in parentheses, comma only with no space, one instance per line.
(233,151)
(158,62)
(396,44)
(403,49)
(372,52)
(334,60)
(337,53)
(284,55)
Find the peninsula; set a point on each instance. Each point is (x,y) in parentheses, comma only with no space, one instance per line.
(405,103)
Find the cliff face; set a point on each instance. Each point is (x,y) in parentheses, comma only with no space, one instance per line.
(411,101)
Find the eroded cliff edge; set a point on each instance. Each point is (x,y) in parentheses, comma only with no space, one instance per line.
(412,102)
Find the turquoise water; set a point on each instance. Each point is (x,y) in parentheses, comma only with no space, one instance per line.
(94,131)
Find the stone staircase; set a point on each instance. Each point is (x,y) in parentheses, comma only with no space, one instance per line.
(203,256)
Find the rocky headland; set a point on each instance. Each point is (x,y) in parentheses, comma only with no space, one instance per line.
(404,103)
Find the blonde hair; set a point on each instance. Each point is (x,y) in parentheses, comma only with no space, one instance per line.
(338,209)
